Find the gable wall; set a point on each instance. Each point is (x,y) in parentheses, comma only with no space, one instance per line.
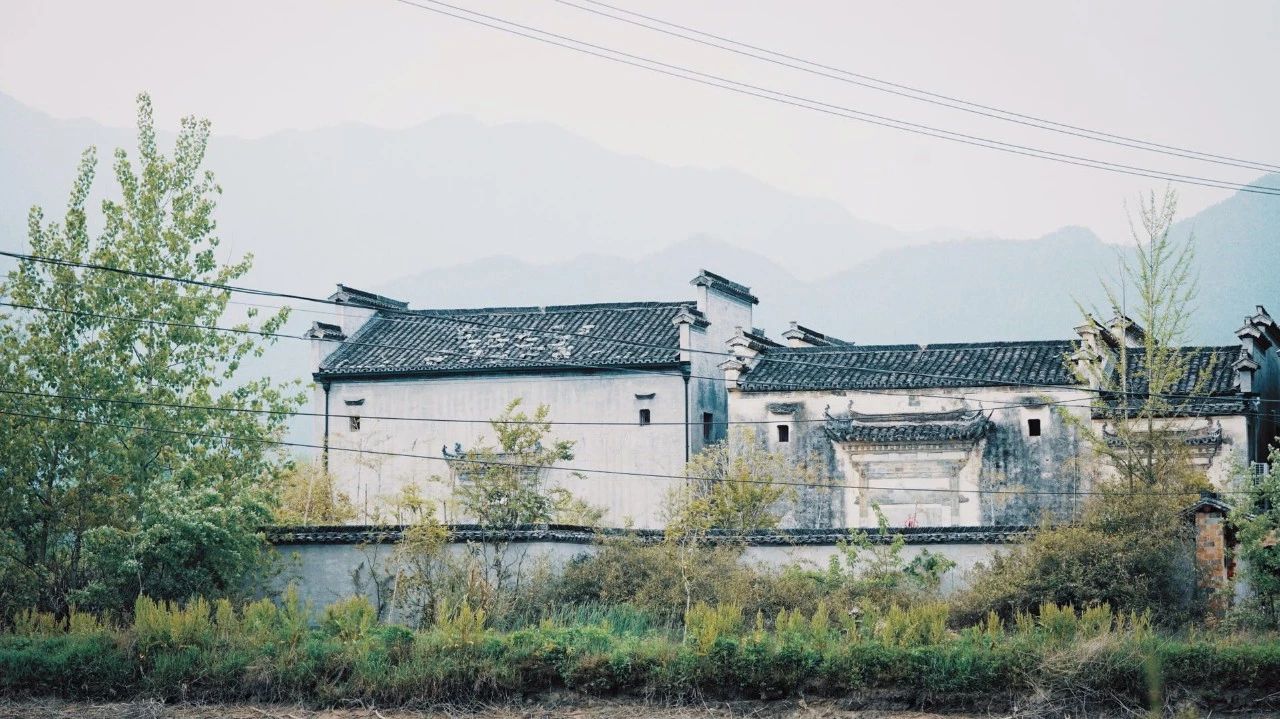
(604,397)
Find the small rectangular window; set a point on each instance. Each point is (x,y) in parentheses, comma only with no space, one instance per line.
(913,400)
(354,422)
(708,426)
(644,416)
(784,433)
(1033,428)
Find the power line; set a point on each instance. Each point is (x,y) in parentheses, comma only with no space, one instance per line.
(451,420)
(823,107)
(975,381)
(574,470)
(274,335)
(901,90)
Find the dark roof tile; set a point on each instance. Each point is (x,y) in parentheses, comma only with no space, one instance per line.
(970,364)
(511,338)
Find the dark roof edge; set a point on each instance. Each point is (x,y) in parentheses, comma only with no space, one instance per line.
(545,309)
(723,284)
(571,534)
(362,298)
(354,375)
(854,348)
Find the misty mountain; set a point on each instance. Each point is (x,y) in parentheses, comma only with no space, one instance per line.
(454,213)
(373,204)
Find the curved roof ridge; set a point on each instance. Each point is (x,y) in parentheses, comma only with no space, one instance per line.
(547,309)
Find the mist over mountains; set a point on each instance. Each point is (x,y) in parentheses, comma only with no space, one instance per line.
(454,213)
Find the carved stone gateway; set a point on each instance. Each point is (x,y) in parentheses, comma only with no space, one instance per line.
(920,469)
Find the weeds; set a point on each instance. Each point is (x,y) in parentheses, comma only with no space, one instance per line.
(282,652)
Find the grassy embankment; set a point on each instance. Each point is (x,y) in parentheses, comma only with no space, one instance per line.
(271,652)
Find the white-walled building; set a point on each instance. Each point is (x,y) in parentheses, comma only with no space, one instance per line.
(975,433)
(962,434)
(647,371)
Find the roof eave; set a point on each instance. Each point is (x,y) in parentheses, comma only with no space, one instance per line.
(367,376)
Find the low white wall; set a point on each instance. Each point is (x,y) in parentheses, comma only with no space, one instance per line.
(324,573)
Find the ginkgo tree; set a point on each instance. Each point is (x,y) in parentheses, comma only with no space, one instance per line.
(128,462)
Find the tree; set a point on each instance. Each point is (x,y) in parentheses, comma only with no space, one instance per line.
(503,487)
(1257,521)
(1142,387)
(308,495)
(1130,546)
(109,489)
(734,487)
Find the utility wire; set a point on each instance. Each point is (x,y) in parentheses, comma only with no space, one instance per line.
(974,381)
(275,335)
(881,85)
(456,420)
(574,470)
(819,106)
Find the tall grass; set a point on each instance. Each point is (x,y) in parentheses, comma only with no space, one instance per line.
(285,651)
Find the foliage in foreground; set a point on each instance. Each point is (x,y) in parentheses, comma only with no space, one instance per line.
(122,472)
(264,651)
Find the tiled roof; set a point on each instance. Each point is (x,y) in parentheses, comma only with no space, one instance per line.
(958,425)
(1210,376)
(986,364)
(974,364)
(511,338)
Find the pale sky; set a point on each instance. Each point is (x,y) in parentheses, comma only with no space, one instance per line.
(1191,73)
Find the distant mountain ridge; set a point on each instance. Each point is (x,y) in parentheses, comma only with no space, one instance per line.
(485,211)
(374,202)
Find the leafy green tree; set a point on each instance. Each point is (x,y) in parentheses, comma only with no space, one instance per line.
(108,498)
(503,486)
(734,487)
(1257,521)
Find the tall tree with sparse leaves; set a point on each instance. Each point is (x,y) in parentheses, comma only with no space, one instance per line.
(1146,384)
(107,490)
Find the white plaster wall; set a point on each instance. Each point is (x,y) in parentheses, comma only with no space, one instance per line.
(1231,457)
(322,573)
(725,313)
(906,469)
(966,556)
(1010,409)
(605,397)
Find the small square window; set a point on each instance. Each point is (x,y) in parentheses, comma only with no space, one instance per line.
(913,400)
(644,416)
(1033,428)
(708,426)
(784,433)
(354,423)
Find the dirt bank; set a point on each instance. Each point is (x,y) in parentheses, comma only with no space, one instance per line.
(49,709)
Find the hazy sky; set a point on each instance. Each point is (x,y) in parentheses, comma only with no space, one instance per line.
(1195,74)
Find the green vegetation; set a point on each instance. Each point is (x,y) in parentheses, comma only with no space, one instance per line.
(1129,545)
(108,489)
(1258,524)
(132,498)
(261,651)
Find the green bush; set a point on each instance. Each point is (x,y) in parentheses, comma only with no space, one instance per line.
(265,651)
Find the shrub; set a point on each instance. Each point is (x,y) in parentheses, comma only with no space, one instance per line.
(705,624)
